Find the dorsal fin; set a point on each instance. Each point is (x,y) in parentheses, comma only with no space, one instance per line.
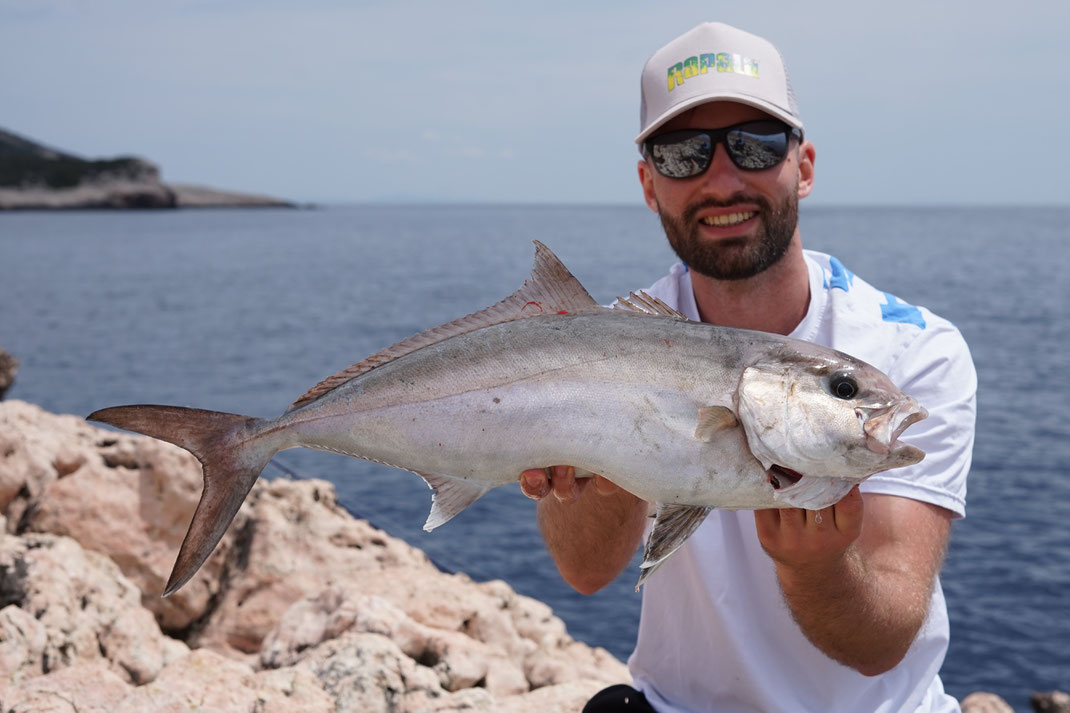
(646,304)
(551,289)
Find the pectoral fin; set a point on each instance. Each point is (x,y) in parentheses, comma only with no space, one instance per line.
(673,524)
(712,419)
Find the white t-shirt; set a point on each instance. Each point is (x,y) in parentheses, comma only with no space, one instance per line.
(715,634)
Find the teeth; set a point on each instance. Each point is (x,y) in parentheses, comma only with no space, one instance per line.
(730,219)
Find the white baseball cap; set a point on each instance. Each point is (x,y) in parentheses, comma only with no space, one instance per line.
(714,62)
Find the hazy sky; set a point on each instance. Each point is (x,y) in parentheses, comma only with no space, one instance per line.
(321,100)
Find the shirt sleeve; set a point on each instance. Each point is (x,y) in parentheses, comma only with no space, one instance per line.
(936,369)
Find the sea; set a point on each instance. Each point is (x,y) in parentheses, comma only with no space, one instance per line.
(242,310)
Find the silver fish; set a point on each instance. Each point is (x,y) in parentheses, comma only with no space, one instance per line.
(687,415)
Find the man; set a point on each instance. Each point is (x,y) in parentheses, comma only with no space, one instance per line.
(838,611)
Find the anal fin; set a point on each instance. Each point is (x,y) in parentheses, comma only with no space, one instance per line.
(452,495)
(673,524)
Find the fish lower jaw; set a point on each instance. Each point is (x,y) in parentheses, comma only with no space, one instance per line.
(730,219)
(812,492)
(876,445)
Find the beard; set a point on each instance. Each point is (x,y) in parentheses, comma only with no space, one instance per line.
(734,258)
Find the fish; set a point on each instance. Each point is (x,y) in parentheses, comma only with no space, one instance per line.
(686,415)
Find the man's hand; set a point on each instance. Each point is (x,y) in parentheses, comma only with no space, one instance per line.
(798,539)
(591,532)
(561,480)
(859,588)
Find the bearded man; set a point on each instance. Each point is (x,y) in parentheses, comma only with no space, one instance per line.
(839,610)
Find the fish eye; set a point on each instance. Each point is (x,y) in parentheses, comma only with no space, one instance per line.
(843,386)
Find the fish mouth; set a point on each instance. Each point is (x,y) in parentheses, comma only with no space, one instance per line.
(781,477)
(883,425)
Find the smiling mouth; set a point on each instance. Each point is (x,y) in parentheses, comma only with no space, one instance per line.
(729,219)
(781,477)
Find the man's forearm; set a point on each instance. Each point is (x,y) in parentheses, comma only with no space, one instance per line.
(592,539)
(858,576)
(863,617)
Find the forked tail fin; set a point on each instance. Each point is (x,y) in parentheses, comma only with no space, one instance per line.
(231,455)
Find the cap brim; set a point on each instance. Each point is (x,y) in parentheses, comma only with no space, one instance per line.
(680,108)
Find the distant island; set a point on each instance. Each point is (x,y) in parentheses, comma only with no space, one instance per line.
(36,177)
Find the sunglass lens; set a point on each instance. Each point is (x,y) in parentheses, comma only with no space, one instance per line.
(682,154)
(756,150)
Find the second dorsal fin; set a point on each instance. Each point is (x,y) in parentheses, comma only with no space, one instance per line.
(646,304)
(551,289)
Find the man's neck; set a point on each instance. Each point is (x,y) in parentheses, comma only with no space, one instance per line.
(774,301)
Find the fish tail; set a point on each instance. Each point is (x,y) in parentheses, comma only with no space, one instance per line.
(232,452)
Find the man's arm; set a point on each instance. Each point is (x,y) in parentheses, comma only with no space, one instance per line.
(859,588)
(591,527)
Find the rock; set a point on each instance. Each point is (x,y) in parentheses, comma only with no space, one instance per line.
(523,630)
(304,607)
(8,366)
(1050,702)
(101,193)
(23,641)
(559,698)
(369,673)
(36,177)
(84,609)
(187,196)
(82,688)
(982,702)
(449,622)
(457,660)
(296,542)
(126,496)
(204,680)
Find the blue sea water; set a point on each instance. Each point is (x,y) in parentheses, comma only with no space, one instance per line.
(243,310)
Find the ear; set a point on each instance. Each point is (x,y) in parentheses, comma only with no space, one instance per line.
(807,156)
(646,178)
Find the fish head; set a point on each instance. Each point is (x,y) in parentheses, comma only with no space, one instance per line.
(826,415)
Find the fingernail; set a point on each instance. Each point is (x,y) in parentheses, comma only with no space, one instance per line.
(534,487)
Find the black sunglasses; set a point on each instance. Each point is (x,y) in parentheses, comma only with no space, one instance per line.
(752,146)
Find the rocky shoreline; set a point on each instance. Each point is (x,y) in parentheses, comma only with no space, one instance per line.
(301,608)
(36,177)
(130,194)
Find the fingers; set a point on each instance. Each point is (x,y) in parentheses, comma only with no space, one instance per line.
(561,480)
(848,512)
(797,537)
(535,483)
(767,523)
(563,483)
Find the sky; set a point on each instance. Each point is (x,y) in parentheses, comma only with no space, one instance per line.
(907,102)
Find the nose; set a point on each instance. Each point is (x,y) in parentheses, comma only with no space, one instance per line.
(723,179)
